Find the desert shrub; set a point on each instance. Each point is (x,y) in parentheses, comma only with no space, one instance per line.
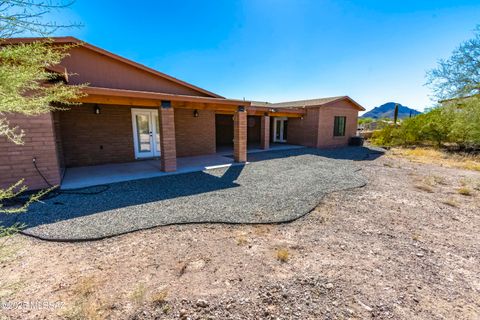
(455,122)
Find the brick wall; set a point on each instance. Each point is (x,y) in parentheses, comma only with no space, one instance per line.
(90,139)
(16,160)
(194,135)
(316,127)
(303,131)
(326,123)
(253,129)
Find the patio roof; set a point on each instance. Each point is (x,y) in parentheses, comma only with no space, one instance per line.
(154,99)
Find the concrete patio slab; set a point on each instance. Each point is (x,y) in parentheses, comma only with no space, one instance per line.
(81,177)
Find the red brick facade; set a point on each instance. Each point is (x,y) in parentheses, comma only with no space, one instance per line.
(194,135)
(304,131)
(91,139)
(81,137)
(16,160)
(315,129)
(326,118)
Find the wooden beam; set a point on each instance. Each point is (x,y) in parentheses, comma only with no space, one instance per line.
(120,101)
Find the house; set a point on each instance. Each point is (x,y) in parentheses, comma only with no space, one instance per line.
(132,112)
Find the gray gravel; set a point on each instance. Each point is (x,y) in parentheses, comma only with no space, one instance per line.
(277,186)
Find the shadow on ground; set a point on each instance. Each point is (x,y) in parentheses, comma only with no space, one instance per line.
(276,186)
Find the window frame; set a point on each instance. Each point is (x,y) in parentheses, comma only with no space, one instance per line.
(337,126)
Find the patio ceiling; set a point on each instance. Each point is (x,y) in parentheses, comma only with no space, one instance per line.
(154,99)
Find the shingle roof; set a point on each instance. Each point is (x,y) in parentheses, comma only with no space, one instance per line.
(305,103)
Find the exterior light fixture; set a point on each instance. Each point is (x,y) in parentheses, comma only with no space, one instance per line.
(273,110)
(166,104)
(97,109)
(195,113)
(241,108)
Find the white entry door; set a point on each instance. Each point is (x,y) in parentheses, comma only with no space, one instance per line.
(279,129)
(146,133)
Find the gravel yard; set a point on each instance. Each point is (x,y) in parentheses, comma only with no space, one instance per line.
(405,246)
(283,186)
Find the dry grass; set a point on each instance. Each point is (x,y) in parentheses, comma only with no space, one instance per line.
(138,295)
(424,187)
(440,180)
(242,240)
(85,306)
(465,191)
(450,202)
(434,156)
(160,297)
(282,255)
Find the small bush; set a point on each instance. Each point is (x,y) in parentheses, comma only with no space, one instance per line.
(283,255)
(450,202)
(465,191)
(440,180)
(160,297)
(138,295)
(424,187)
(241,241)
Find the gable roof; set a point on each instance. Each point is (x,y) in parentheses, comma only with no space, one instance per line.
(308,103)
(73,40)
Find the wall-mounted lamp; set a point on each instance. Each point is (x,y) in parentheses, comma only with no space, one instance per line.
(273,110)
(195,113)
(97,109)
(166,104)
(241,108)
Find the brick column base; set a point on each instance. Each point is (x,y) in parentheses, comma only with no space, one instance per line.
(168,156)
(240,136)
(265,132)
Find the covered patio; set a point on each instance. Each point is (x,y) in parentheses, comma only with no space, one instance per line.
(88,176)
(117,135)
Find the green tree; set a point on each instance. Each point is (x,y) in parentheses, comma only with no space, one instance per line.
(26,85)
(459,75)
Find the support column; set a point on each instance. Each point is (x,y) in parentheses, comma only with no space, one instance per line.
(168,150)
(240,135)
(265,132)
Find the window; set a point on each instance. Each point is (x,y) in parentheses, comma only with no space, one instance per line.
(339,127)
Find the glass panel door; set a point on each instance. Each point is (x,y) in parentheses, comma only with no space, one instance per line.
(143,133)
(280,130)
(146,133)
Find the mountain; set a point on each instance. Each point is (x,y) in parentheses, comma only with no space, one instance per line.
(387,110)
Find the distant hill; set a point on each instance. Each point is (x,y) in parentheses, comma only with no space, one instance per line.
(387,110)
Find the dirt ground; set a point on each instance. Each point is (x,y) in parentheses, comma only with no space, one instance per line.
(406,246)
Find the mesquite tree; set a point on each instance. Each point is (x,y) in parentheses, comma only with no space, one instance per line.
(26,85)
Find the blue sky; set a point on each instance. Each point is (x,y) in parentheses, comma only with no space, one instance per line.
(276,50)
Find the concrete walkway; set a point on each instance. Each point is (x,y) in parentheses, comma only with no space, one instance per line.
(277,186)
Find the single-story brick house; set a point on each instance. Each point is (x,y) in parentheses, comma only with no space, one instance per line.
(132,112)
